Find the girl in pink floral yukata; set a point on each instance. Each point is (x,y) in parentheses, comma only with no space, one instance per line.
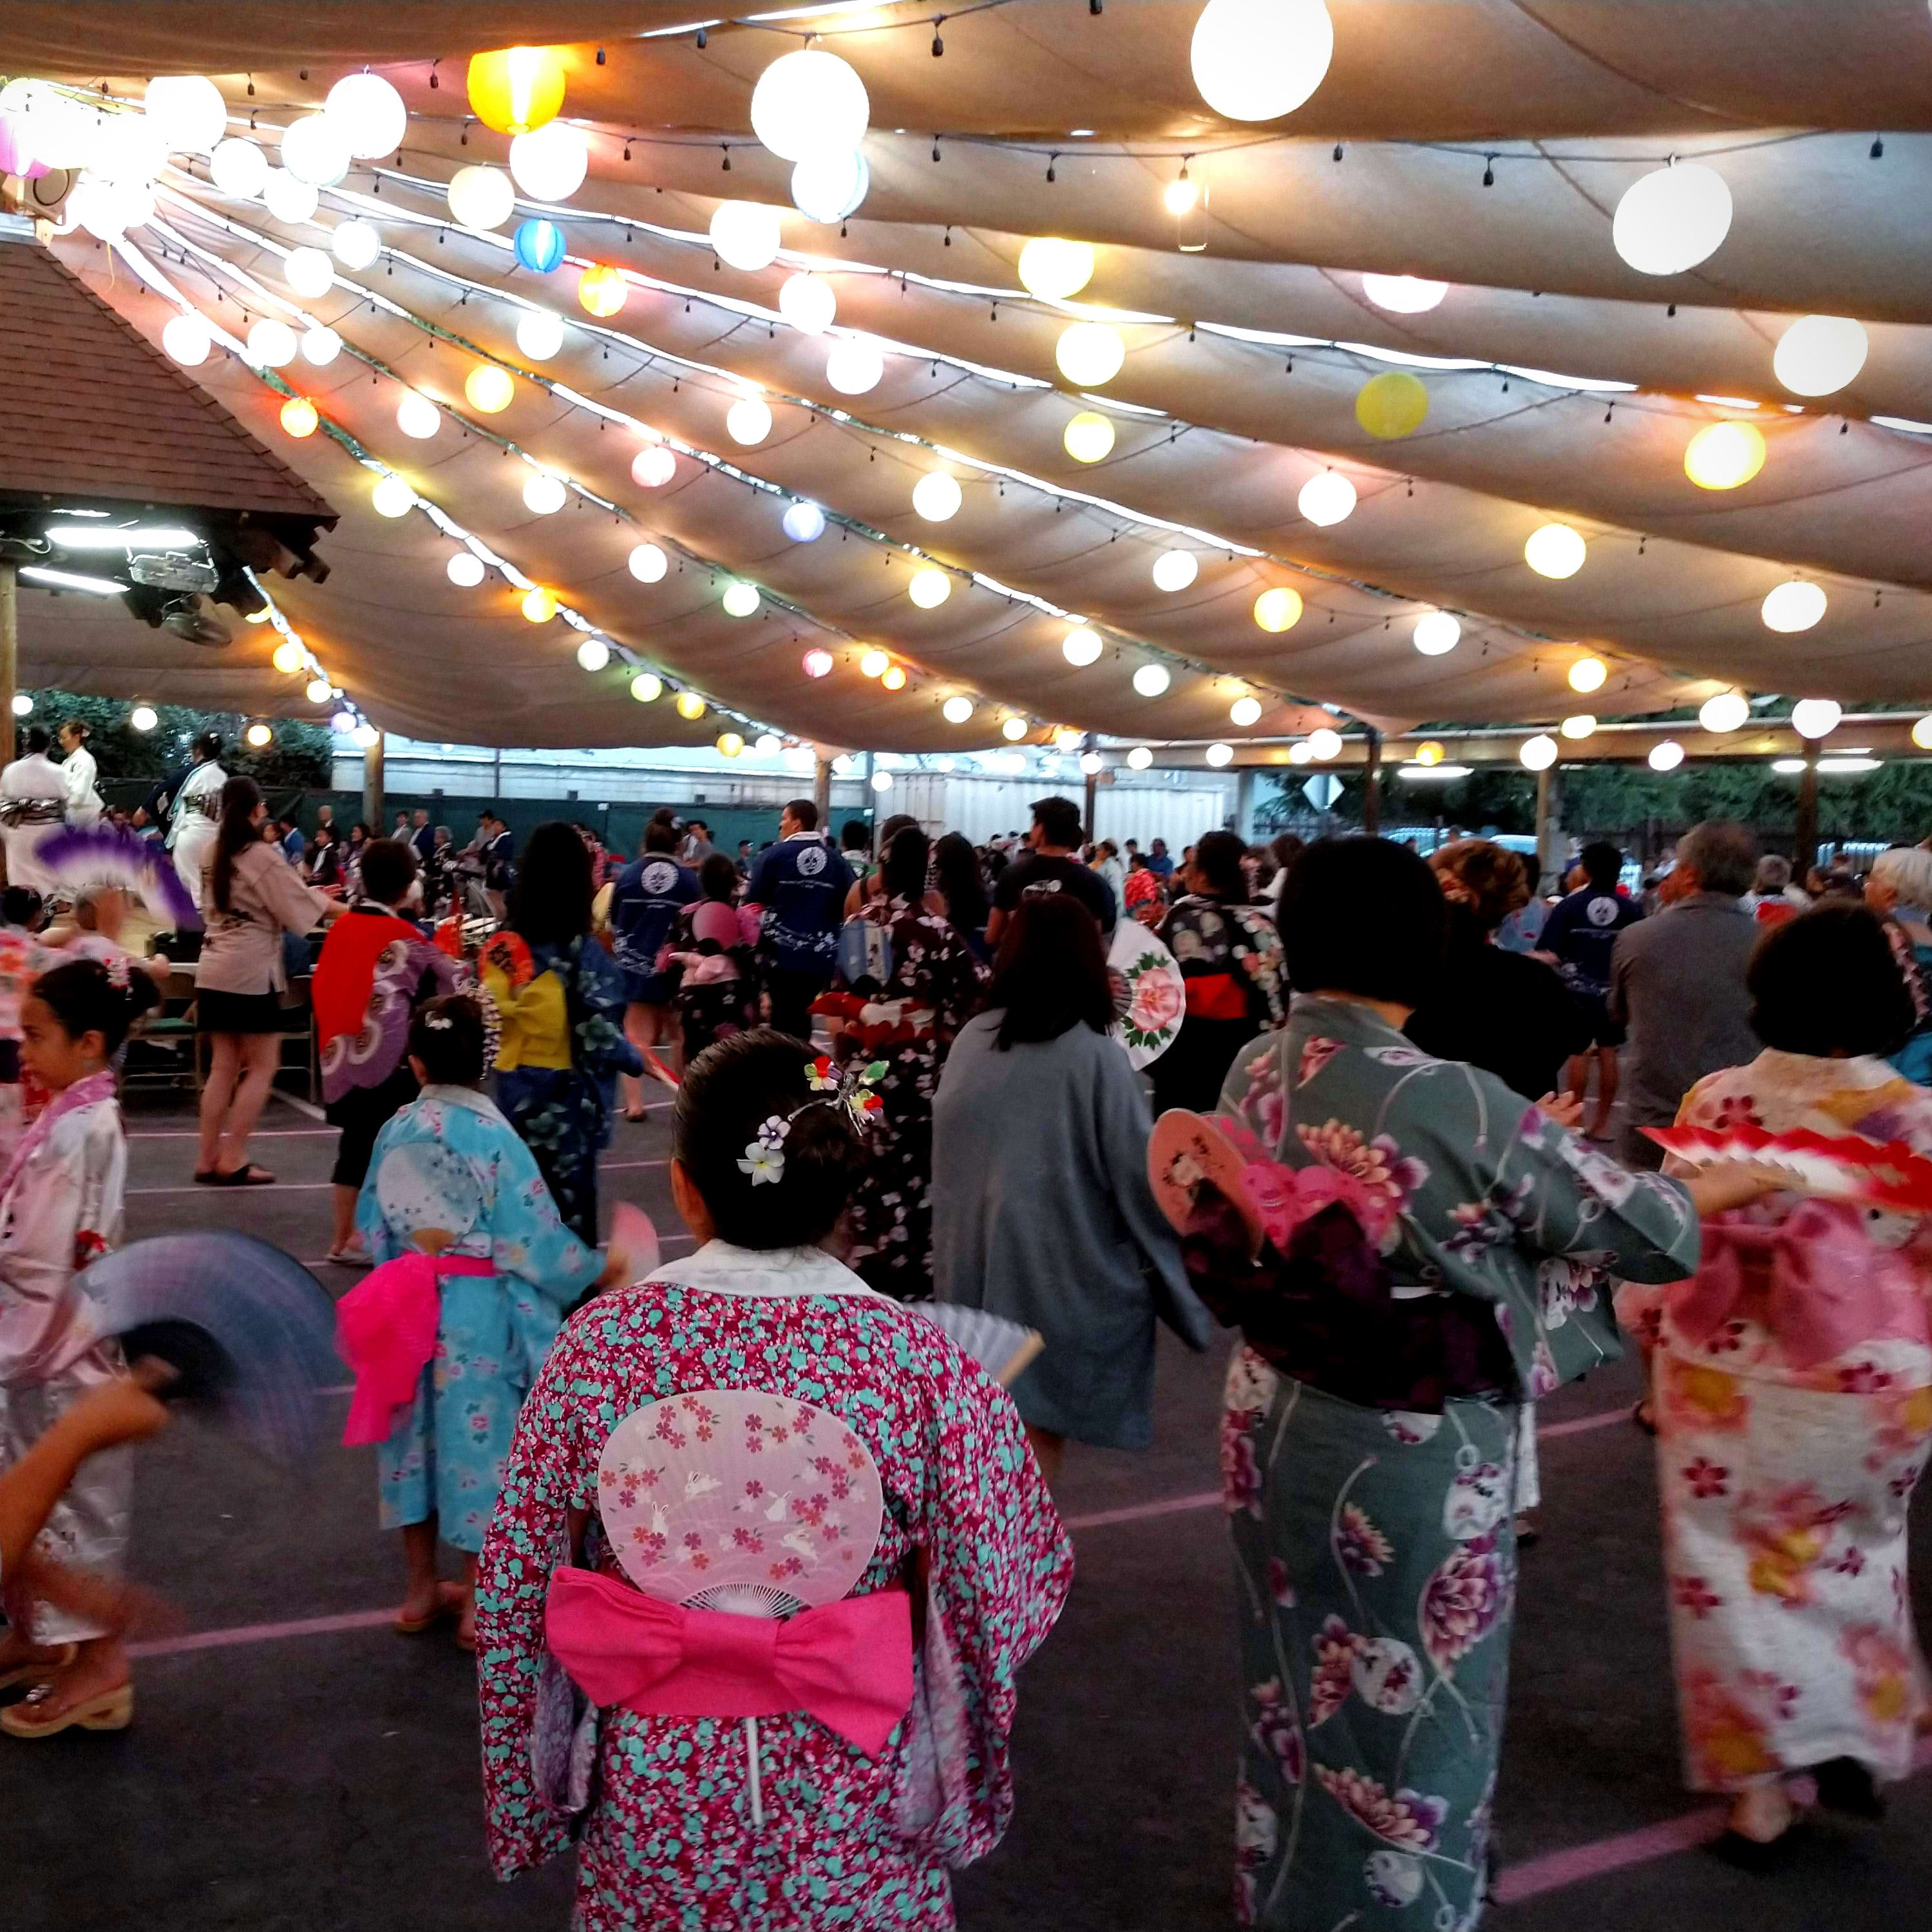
(709,1823)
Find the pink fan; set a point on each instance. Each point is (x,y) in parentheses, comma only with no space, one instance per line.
(737,1501)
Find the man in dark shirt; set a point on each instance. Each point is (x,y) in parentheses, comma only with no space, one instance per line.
(1578,939)
(1158,862)
(1049,867)
(422,837)
(802,883)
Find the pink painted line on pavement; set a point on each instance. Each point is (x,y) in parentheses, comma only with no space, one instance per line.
(1139,1512)
(1577,1425)
(1575,1863)
(225,1640)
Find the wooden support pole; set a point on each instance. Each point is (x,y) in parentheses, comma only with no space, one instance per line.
(821,790)
(1804,844)
(1372,785)
(372,785)
(10,649)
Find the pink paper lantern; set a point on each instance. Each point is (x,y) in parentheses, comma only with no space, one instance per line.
(17,150)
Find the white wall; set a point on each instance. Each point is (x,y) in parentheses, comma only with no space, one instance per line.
(983,808)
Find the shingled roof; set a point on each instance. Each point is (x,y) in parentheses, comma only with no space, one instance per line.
(89,407)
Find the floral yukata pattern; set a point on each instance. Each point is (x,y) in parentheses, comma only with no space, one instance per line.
(1375,1551)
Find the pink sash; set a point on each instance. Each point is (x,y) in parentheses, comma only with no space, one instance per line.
(385,1330)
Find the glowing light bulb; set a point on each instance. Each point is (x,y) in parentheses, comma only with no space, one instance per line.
(809,303)
(1140,757)
(1256,60)
(929,588)
(187,339)
(1054,269)
(1088,437)
(489,388)
(1819,355)
(1175,569)
(392,497)
(318,691)
(1555,551)
(1579,724)
(1793,607)
(894,678)
(1435,633)
(1324,744)
(1587,674)
(1245,711)
(299,416)
(544,495)
(287,657)
(740,599)
(465,570)
(144,718)
(1013,729)
(1326,499)
(258,736)
(1081,646)
(648,564)
(1278,610)
(748,421)
(601,291)
(745,234)
(646,687)
(417,416)
(1672,219)
(874,663)
(1403,295)
(690,707)
(1089,354)
(539,333)
(1725,712)
(653,468)
(936,496)
(539,606)
(1151,679)
(1666,755)
(1724,455)
(1816,717)
(593,654)
(1538,753)
(730,744)
(957,710)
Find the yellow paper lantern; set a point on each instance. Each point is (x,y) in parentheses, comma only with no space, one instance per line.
(1429,752)
(690,706)
(258,736)
(539,606)
(489,388)
(894,678)
(513,89)
(1089,437)
(1722,455)
(601,290)
(874,663)
(288,657)
(298,416)
(1391,404)
(730,744)
(1279,609)
(1587,674)
(1921,734)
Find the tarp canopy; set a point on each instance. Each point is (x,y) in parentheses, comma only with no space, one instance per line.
(1482,142)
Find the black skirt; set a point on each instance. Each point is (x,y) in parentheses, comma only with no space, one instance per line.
(216,1012)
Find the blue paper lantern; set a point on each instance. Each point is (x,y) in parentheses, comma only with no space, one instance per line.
(539,246)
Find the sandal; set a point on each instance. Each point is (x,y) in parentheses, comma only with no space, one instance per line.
(39,1673)
(449,1603)
(111,1710)
(247,1175)
(350,1257)
(1641,1415)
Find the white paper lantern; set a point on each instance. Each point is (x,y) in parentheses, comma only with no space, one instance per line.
(740,600)
(1324,744)
(126,148)
(1404,295)
(1816,717)
(1588,674)
(271,344)
(1327,499)
(1175,569)
(364,734)
(826,187)
(929,588)
(1054,268)
(1256,60)
(187,338)
(1579,724)
(936,496)
(804,522)
(768,744)
(1244,712)
(745,234)
(1089,354)
(1555,551)
(539,333)
(355,244)
(652,469)
(1818,354)
(646,687)
(368,113)
(748,421)
(810,103)
(808,302)
(1220,755)
(1538,753)
(239,167)
(96,207)
(1672,219)
(1140,757)
(314,150)
(417,416)
(544,495)
(392,497)
(187,111)
(481,198)
(1793,607)
(289,201)
(1666,755)
(1013,730)
(1724,712)
(549,163)
(309,272)
(465,570)
(318,690)
(1151,679)
(1088,437)
(144,718)
(1081,646)
(957,710)
(854,367)
(593,654)
(648,564)
(1435,633)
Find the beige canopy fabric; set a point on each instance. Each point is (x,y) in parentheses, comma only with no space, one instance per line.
(1562,385)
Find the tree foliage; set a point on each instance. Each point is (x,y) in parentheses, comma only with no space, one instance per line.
(302,754)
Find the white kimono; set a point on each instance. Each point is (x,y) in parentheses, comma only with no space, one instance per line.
(33,802)
(191,834)
(83,797)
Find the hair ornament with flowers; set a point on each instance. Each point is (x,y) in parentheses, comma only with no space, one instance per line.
(850,1087)
(764,1157)
(116,967)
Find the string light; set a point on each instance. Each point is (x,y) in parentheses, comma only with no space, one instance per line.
(539,606)
(1278,610)
(1587,674)
(1081,646)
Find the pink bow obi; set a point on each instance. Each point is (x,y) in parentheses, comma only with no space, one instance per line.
(1817,1282)
(385,1330)
(848,1664)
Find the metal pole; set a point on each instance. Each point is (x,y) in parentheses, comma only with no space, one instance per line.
(372,785)
(1548,831)
(10,648)
(1805,852)
(821,789)
(1372,785)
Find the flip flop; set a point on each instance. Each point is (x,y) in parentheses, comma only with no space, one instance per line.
(449,1603)
(39,1673)
(111,1710)
(248,1175)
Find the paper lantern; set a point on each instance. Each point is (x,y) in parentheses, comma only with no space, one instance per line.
(1081,646)
(826,187)
(1555,551)
(730,744)
(748,421)
(270,344)
(417,416)
(957,710)
(544,495)
(593,654)
(481,198)
(803,523)
(126,149)
(1818,354)
(299,417)
(1724,712)
(653,468)
(1054,269)
(816,663)
(1256,60)
(1013,729)
(239,167)
(740,600)
(854,367)
(1921,734)
(1392,404)
(882,781)
(1724,455)
(392,497)
(288,657)
(363,733)
(1244,712)
(355,244)
(368,113)
(309,272)
(1088,437)
(539,333)
(515,89)
(488,388)
(1278,610)
(549,164)
(187,111)
(1066,737)
(690,706)
(107,209)
(187,338)
(1666,755)
(318,691)
(1327,499)
(768,744)
(808,302)
(343,722)
(1816,717)
(538,606)
(1579,724)
(1092,763)
(1151,679)
(1324,744)
(648,564)
(646,687)
(258,736)
(539,245)
(314,150)
(1587,674)
(745,234)
(894,678)
(1139,758)
(1538,753)
(1793,607)
(1175,569)
(874,663)
(144,718)
(1403,295)
(320,345)
(929,588)
(936,496)
(1672,219)
(810,102)
(465,570)
(291,201)
(1220,755)
(1429,752)
(1089,354)
(602,290)
(1435,633)
(23,705)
